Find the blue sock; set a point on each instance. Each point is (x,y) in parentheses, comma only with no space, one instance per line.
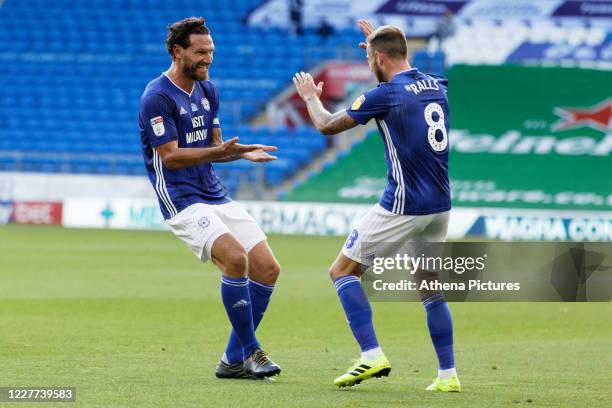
(260,297)
(237,302)
(440,323)
(358,311)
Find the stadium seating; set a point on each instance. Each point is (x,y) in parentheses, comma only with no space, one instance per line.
(71,82)
(540,41)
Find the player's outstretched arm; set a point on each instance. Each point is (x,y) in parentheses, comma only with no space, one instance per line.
(175,157)
(326,122)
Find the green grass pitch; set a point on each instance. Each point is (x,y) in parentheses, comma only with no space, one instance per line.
(133,320)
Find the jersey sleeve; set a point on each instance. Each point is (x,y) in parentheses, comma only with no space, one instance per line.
(158,121)
(373,104)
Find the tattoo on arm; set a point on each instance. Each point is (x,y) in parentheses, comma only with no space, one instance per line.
(326,122)
(339,122)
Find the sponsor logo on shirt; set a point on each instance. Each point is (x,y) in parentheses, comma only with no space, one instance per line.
(194,107)
(199,134)
(157,123)
(183,111)
(196,136)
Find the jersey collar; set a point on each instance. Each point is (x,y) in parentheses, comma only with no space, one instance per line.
(165,73)
(405,71)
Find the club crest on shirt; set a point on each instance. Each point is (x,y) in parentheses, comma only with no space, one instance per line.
(204,222)
(205,104)
(358,102)
(157,123)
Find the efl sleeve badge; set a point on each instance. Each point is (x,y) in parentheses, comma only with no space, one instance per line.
(358,102)
(157,123)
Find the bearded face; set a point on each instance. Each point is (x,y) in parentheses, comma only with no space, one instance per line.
(196,70)
(197,57)
(374,66)
(378,72)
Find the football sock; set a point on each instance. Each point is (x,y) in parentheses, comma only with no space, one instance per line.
(237,302)
(372,354)
(358,311)
(260,297)
(440,323)
(448,373)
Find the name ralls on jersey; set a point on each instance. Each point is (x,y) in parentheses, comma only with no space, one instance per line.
(422,85)
(380,285)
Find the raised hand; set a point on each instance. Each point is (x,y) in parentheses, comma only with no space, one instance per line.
(366,28)
(305,86)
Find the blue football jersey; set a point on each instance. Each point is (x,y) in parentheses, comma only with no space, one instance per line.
(411,112)
(169,113)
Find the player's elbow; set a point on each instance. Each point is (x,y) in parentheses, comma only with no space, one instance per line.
(327,130)
(171,163)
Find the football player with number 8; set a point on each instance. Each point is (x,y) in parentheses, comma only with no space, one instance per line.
(411,111)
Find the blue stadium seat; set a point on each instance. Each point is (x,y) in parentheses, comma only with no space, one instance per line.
(74,108)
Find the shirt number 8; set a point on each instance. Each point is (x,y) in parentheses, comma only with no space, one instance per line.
(434,126)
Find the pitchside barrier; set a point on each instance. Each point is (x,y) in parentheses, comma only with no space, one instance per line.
(338,219)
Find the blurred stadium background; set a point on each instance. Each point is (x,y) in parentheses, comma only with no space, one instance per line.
(529,88)
(131,319)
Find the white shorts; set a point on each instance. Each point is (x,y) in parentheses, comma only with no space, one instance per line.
(199,225)
(381,233)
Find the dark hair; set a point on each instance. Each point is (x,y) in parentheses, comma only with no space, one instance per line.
(389,40)
(180,31)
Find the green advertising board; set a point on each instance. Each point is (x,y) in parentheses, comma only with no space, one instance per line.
(521,137)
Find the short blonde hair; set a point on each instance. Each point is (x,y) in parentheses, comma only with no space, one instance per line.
(389,40)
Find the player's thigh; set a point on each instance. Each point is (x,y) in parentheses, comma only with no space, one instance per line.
(229,255)
(198,227)
(241,224)
(432,230)
(263,266)
(412,235)
(432,227)
(378,234)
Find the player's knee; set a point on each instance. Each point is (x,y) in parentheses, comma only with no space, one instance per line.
(268,273)
(235,265)
(273,270)
(344,267)
(336,272)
